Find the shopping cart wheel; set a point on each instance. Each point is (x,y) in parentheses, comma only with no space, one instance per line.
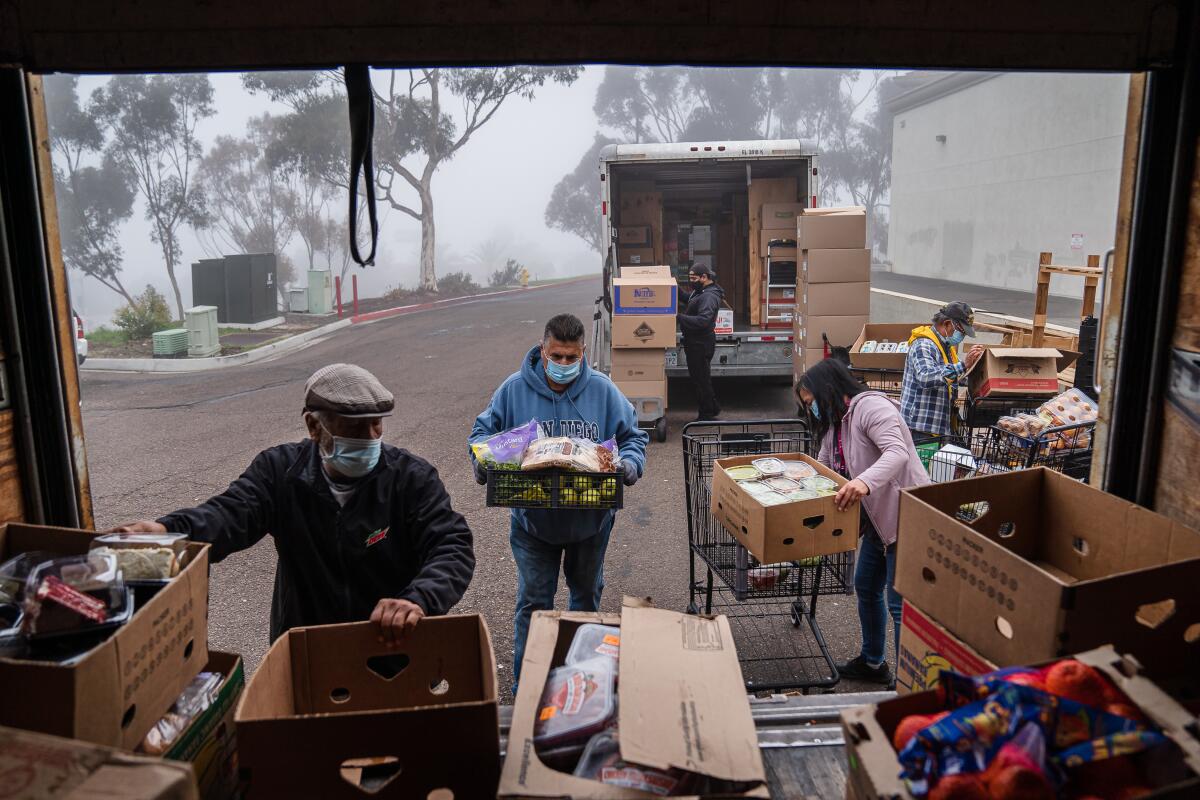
(797,615)
(660,430)
(693,608)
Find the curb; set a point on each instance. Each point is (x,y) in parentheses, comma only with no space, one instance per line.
(293,342)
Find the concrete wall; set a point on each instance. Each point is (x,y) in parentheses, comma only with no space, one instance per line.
(1028,160)
(897,307)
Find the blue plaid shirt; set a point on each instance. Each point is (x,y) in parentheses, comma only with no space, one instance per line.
(925,399)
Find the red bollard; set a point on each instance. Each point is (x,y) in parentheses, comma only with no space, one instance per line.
(354,288)
(337,290)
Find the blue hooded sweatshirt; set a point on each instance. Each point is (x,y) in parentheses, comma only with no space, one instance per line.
(591,407)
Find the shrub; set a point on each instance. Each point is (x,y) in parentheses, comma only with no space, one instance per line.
(148,313)
(507,276)
(456,284)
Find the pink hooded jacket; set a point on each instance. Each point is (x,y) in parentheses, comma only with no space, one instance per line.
(879,451)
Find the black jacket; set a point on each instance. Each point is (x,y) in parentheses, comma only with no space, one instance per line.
(700,317)
(396,537)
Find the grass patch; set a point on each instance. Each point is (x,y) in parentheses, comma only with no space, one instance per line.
(107,337)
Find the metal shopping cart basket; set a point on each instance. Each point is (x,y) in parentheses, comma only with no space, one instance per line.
(771,609)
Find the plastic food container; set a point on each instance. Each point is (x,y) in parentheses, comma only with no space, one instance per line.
(14,573)
(772,498)
(802,494)
(602,762)
(768,466)
(798,470)
(744,473)
(592,641)
(781,484)
(75,596)
(819,483)
(768,577)
(578,701)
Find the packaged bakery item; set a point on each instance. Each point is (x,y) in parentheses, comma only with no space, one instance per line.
(75,595)
(144,563)
(769,467)
(592,641)
(578,701)
(798,470)
(506,449)
(1069,408)
(602,761)
(194,701)
(569,453)
(768,577)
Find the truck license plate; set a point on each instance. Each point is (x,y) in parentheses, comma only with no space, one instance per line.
(672,358)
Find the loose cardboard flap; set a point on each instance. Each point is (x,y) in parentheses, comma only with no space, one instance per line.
(692,714)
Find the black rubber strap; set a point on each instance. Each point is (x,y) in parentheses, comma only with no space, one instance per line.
(362,134)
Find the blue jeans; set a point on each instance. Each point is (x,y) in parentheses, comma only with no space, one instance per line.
(874,574)
(537,579)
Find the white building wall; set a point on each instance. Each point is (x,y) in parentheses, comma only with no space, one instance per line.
(1029,161)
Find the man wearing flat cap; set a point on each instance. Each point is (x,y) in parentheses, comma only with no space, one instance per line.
(698,323)
(363,530)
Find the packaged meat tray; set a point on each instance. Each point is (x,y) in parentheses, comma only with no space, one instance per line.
(578,701)
(593,641)
(602,762)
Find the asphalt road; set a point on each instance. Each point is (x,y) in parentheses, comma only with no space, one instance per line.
(160,442)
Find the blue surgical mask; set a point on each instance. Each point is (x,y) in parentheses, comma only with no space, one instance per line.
(353,458)
(816,410)
(563,374)
(956,338)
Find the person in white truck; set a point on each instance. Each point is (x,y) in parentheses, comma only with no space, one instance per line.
(698,322)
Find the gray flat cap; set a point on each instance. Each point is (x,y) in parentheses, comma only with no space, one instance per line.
(349,391)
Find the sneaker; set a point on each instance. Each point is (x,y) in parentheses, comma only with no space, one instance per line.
(858,669)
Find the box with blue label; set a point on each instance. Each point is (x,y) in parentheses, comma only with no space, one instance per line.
(648,294)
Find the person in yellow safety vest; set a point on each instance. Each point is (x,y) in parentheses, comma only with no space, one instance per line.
(524,278)
(932,369)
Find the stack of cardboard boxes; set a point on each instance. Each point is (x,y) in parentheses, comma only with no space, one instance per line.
(833,283)
(645,302)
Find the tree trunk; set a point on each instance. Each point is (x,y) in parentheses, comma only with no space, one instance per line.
(428,241)
(167,248)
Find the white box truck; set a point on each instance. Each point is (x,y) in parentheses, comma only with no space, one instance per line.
(704,211)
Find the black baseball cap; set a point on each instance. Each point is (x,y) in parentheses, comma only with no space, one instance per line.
(702,269)
(961,315)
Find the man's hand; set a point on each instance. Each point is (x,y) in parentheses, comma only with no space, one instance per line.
(975,353)
(630,472)
(396,618)
(480,473)
(144,526)
(850,494)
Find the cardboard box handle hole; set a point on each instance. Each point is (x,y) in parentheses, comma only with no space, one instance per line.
(789,541)
(1153,615)
(837,531)
(388,666)
(1005,627)
(1080,545)
(130,713)
(928,575)
(187,650)
(1192,634)
(371,775)
(813,522)
(439,687)
(440,794)
(340,695)
(1006,530)
(972,512)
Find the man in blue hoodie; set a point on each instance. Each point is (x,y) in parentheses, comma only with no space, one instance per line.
(556,387)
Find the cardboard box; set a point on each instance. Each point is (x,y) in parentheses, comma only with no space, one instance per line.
(1017,371)
(635,236)
(984,581)
(645,295)
(34,766)
(638,365)
(879,332)
(781,216)
(682,702)
(644,389)
(927,649)
(874,769)
(629,254)
(783,253)
(724,322)
(785,532)
(209,743)
(651,271)
(804,357)
(328,702)
(838,299)
(841,330)
(643,330)
(832,231)
(116,692)
(850,265)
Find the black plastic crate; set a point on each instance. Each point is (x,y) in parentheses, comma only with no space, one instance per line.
(984,412)
(554,488)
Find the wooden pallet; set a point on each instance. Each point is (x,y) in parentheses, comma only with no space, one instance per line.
(1041,304)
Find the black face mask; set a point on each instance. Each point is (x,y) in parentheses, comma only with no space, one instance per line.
(696,283)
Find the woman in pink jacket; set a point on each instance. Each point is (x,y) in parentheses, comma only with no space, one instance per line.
(864,438)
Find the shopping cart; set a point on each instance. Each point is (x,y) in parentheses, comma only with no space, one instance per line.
(771,608)
(1066,449)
